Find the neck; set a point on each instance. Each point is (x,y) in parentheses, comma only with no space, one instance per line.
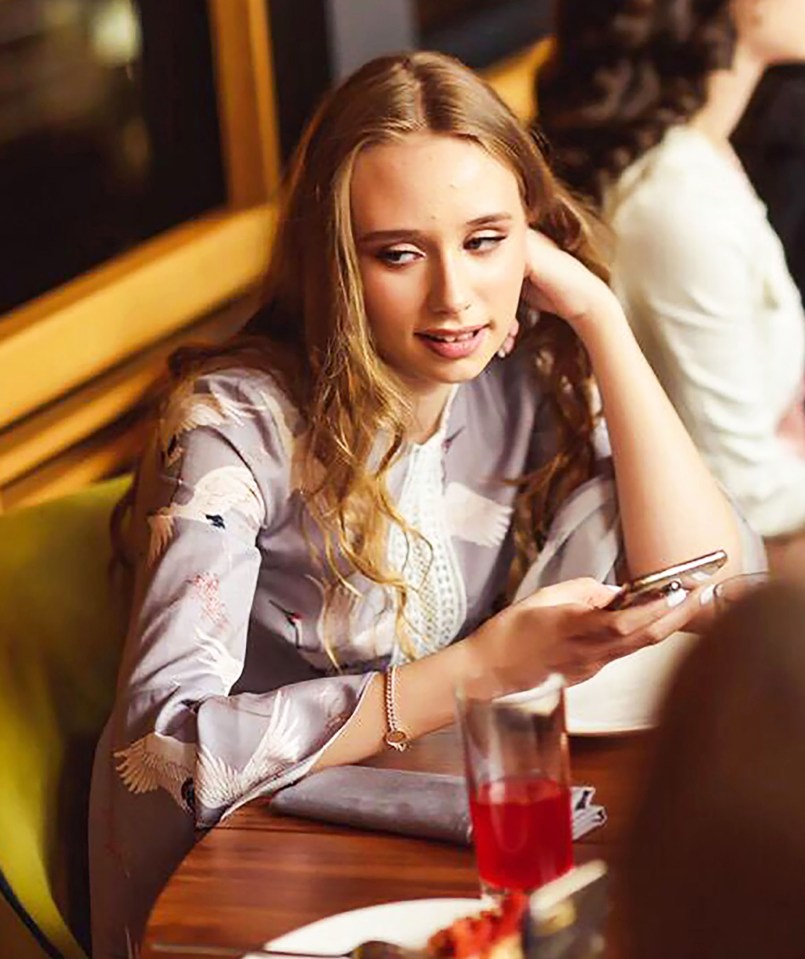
(728,94)
(427,408)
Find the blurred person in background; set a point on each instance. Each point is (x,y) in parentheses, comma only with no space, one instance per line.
(638,103)
(333,505)
(715,859)
(770,140)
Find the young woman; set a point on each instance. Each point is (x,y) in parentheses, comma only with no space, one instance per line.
(334,504)
(639,103)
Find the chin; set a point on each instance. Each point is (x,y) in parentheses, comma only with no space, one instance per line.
(426,372)
(463,371)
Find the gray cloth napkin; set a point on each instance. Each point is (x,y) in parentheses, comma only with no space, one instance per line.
(428,805)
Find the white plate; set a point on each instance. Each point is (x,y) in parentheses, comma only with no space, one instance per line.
(405,923)
(624,696)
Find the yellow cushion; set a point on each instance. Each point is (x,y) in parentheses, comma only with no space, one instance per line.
(62,622)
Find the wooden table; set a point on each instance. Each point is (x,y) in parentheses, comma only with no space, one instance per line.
(258,875)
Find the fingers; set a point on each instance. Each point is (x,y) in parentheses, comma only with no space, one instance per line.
(622,622)
(675,618)
(618,634)
(649,624)
(588,636)
(584,591)
(540,241)
(540,253)
(508,343)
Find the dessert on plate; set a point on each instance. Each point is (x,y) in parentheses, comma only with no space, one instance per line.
(564,919)
(490,934)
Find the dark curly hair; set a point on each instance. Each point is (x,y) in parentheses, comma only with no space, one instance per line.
(621,73)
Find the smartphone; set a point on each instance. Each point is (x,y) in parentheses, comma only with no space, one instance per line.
(565,918)
(685,575)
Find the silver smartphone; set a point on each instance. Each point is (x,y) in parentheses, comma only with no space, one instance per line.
(685,575)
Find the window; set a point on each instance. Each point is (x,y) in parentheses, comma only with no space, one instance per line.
(151,123)
(108,132)
(481,32)
(317,42)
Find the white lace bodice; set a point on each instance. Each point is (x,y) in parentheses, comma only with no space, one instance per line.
(437,603)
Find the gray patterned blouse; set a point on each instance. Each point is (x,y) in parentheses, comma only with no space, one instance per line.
(227,689)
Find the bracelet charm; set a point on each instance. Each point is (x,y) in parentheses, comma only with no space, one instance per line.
(395,737)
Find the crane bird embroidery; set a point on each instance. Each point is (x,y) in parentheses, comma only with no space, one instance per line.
(157,761)
(305,472)
(475,518)
(213,496)
(219,785)
(188,410)
(214,655)
(338,609)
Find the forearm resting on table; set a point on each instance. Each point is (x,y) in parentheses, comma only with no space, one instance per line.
(424,701)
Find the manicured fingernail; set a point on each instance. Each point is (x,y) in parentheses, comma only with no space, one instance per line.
(675,598)
(707,594)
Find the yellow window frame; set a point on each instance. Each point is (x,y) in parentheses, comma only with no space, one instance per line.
(54,348)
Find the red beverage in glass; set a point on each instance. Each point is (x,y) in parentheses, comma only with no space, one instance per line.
(522,831)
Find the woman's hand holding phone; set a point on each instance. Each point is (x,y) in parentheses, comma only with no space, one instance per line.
(669,582)
(567,629)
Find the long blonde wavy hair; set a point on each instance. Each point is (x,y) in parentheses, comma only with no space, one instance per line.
(313,334)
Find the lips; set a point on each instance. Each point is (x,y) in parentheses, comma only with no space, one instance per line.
(454,344)
(452,336)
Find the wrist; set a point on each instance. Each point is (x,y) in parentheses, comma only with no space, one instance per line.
(603,318)
(395,736)
(481,673)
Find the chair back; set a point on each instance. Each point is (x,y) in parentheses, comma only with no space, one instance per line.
(62,624)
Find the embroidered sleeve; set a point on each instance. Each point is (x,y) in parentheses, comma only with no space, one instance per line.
(182,749)
(226,452)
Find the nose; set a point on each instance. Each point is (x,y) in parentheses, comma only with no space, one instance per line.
(449,292)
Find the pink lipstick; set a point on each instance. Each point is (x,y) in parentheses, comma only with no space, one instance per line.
(454,344)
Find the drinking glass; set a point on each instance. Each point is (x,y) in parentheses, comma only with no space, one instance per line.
(516,764)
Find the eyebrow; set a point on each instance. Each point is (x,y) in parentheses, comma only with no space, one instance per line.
(404,234)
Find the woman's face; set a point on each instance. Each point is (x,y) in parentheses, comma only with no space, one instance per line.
(773,30)
(440,232)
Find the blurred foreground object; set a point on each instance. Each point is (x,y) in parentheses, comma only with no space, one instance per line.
(715,861)
(566,917)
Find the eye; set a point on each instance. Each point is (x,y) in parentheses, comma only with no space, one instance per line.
(397,256)
(484,242)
